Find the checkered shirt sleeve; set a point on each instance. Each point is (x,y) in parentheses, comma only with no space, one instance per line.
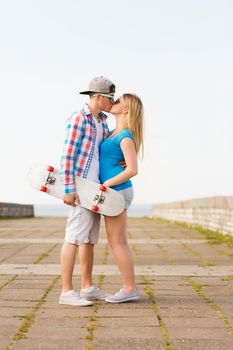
(75,130)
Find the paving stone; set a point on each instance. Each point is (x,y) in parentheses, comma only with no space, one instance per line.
(55,332)
(129,332)
(12,312)
(195,322)
(125,312)
(190,321)
(50,344)
(64,311)
(200,333)
(182,311)
(128,344)
(15,303)
(128,322)
(202,344)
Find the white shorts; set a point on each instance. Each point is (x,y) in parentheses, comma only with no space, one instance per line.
(82,226)
(128,194)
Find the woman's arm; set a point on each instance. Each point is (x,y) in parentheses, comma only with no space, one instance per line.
(128,149)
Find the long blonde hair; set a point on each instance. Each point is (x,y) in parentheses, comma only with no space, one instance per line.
(134,119)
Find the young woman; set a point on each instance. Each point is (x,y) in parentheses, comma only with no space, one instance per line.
(123,143)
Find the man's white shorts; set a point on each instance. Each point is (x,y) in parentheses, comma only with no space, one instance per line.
(82,226)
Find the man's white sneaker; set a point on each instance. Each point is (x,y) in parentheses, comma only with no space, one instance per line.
(122,297)
(93,293)
(73,298)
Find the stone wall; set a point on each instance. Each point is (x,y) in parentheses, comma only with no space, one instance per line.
(16,210)
(215,213)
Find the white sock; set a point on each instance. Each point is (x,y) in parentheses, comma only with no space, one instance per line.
(89,289)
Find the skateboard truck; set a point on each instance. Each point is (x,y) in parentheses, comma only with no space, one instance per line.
(99,198)
(50,179)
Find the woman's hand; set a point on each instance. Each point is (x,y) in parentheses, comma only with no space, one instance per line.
(107,183)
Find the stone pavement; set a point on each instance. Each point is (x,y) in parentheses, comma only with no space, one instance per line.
(186,287)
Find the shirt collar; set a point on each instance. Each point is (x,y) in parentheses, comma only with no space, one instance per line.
(86,110)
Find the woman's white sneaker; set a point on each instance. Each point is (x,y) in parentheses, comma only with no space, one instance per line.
(122,297)
(73,298)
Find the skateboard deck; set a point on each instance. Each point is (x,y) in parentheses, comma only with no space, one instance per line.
(93,196)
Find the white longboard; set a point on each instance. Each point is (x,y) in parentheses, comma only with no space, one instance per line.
(92,196)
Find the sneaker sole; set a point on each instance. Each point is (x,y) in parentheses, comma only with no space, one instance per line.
(94,298)
(73,304)
(121,301)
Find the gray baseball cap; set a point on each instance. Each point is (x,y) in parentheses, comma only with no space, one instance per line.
(100,85)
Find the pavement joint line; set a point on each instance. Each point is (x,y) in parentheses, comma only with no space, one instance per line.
(29,318)
(129,235)
(164,330)
(93,320)
(213,237)
(11,279)
(183,271)
(223,252)
(112,270)
(148,234)
(203,261)
(10,256)
(166,255)
(103,241)
(39,259)
(149,292)
(228,278)
(198,289)
(136,254)
(44,255)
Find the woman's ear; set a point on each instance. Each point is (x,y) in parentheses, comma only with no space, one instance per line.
(125,110)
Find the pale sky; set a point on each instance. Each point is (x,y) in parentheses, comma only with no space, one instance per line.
(176,55)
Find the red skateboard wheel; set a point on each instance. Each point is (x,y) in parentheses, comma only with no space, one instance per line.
(102,188)
(43,189)
(95,208)
(50,168)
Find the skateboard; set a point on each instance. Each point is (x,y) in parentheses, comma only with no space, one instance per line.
(93,196)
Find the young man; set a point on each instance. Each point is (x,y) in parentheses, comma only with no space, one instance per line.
(85,131)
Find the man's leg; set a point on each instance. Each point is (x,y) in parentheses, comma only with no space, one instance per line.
(86,257)
(88,291)
(68,254)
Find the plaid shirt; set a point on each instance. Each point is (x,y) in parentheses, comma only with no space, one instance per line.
(79,146)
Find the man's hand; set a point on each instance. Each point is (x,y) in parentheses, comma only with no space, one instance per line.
(122,163)
(71,199)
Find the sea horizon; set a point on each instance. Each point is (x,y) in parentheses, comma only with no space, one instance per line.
(135,210)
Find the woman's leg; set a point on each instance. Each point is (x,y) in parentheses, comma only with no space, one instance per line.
(117,237)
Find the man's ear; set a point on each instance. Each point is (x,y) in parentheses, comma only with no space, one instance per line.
(96,96)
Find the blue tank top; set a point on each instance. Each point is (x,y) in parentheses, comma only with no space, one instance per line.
(110,155)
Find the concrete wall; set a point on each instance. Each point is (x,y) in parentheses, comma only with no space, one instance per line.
(16,210)
(215,213)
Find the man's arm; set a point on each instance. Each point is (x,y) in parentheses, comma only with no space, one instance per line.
(75,130)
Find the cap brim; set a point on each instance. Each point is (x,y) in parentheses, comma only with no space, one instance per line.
(96,92)
(85,92)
